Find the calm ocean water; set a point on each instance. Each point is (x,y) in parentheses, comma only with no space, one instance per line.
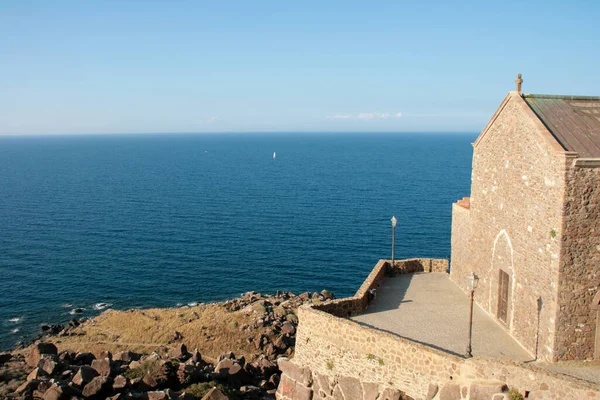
(156,220)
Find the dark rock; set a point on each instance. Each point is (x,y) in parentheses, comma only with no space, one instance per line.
(5,357)
(67,356)
(179,352)
(147,383)
(223,367)
(270,350)
(274,380)
(99,387)
(38,350)
(55,392)
(37,374)
(157,396)
(196,356)
(84,375)
(282,342)
(119,383)
(229,356)
(327,294)
(84,358)
(60,392)
(102,366)
(28,386)
(215,394)
(48,364)
(127,356)
(304,296)
(177,336)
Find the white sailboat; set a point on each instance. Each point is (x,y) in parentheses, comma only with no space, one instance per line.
(274,155)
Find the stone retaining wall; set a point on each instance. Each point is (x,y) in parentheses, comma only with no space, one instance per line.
(337,358)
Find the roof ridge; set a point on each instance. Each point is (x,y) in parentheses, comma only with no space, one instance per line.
(560,97)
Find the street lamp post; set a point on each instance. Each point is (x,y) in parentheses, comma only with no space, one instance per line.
(472,281)
(394,220)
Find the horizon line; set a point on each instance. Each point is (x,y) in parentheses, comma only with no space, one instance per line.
(239,133)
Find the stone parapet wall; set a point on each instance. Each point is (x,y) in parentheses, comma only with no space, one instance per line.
(330,347)
(358,303)
(336,358)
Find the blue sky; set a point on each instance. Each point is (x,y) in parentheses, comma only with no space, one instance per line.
(240,66)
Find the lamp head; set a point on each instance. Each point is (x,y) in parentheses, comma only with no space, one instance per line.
(472,281)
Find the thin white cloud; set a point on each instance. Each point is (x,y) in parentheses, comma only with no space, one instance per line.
(370,116)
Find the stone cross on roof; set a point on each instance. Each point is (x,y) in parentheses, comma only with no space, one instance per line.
(519,81)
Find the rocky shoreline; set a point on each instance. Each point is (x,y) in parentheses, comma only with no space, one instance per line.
(48,370)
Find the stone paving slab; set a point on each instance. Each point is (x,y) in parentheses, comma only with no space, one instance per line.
(430,309)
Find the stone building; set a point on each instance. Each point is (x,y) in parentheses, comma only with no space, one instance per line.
(531,228)
(531,233)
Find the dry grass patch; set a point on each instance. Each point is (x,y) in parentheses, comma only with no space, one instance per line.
(210,328)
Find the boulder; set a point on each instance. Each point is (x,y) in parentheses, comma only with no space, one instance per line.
(36,374)
(288,328)
(56,392)
(99,387)
(147,383)
(48,364)
(27,386)
(67,356)
(215,394)
(224,367)
(102,366)
(38,350)
(227,356)
(84,358)
(196,356)
(179,352)
(126,356)
(5,357)
(327,294)
(120,383)
(84,375)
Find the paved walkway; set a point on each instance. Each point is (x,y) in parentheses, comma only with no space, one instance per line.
(428,308)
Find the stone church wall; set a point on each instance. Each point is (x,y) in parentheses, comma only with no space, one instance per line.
(580,264)
(514,224)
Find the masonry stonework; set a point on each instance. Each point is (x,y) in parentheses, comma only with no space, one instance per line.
(579,278)
(514,224)
(337,358)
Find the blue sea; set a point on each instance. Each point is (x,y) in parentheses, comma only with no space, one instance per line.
(160,220)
